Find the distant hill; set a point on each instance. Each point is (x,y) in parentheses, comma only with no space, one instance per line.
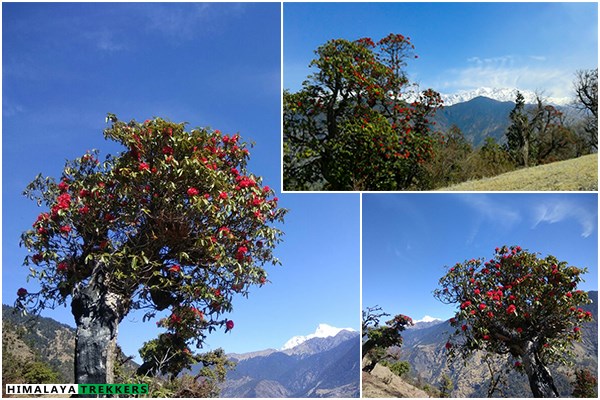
(481,116)
(477,119)
(575,174)
(29,337)
(424,350)
(318,367)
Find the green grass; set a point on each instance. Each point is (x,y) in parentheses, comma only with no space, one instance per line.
(575,174)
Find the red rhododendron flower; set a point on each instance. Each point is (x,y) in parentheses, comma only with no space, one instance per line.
(511,309)
(168,150)
(63,201)
(576,329)
(36,258)
(63,186)
(65,229)
(519,330)
(175,268)
(144,166)
(518,364)
(448,345)
(223,195)
(193,191)
(569,294)
(84,210)
(464,328)
(486,337)
(241,252)
(21,292)
(62,266)
(229,324)
(482,306)
(465,304)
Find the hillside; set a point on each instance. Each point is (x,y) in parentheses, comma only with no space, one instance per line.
(31,338)
(381,382)
(39,346)
(575,174)
(424,350)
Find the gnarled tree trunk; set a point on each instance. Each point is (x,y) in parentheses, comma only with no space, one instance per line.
(540,379)
(97,313)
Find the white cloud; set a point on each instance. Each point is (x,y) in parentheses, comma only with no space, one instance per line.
(561,210)
(494,211)
(187,21)
(322,331)
(509,71)
(489,212)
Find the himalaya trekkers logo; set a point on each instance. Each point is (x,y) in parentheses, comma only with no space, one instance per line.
(69,389)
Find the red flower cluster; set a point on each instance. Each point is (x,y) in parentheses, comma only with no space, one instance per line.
(63,186)
(229,324)
(22,292)
(193,192)
(241,253)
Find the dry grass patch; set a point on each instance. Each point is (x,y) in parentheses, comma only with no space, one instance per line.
(575,174)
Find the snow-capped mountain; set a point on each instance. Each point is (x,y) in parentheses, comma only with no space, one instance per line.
(322,331)
(425,322)
(499,94)
(427,318)
(318,367)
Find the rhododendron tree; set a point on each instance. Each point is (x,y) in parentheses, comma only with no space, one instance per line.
(357,123)
(377,338)
(175,222)
(516,304)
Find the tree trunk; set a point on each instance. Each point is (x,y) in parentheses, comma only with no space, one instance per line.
(97,313)
(540,380)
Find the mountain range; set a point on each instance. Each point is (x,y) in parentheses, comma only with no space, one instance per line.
(484,112)
(500,94)
(316,367)
(424,350)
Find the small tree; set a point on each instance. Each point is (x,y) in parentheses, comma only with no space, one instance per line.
(516,304)
(446,386)
(377,339)
(450,161)
(519,135)
(585,385)
(356,124)
(586,93)
(173,222)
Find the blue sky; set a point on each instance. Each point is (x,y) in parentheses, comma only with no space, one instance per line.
(66,65)
(409,239)
(461,46)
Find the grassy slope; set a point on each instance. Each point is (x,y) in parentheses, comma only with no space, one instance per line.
(575,174)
